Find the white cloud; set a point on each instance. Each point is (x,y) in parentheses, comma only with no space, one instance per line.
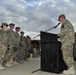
(67,0)
(34,16)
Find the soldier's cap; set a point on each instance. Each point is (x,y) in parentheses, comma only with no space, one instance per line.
(11,24)
(28,37)
(17,28)
(62,15)
(4,24)
(21,32)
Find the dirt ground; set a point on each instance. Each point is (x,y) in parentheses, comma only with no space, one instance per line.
(27,68)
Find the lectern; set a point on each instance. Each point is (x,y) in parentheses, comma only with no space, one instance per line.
(51,54)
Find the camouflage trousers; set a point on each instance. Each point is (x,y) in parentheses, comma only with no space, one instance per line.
(16,52)
(2,52)
(15,55)
(26,54)
(19,54)
(22,53)
(67,52)
(8,54)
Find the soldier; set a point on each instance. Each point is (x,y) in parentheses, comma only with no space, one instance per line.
(67,40)
(22,45)
(3,43)
(11,41)
(17,44)
(28,47)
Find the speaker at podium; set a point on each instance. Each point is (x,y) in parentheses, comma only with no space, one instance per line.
(51,54)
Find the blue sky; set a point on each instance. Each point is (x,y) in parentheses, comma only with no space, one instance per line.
(34,16)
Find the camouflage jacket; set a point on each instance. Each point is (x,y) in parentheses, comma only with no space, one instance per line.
(17,38)
(22,41)
(3,37)
(67,32)
(11,37)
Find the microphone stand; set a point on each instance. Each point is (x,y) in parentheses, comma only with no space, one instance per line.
(48,30)
(39,35)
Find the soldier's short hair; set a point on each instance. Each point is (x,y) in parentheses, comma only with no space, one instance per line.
(17,28)
(21,32)
(62,15)
(11,24)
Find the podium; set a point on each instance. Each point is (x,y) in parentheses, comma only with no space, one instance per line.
(51,54)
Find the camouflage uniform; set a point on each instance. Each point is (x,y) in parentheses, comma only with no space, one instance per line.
(17,47)
(28,47)
(67,40)
(10,43)
(3,43)
(22,47)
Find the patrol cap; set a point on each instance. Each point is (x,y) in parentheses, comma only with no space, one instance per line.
(28,37)
(21,32)
(17,28)
(4,24)
(11,24)
(62,15)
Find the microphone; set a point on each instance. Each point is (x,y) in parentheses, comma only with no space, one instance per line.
(56,25)
(48,30)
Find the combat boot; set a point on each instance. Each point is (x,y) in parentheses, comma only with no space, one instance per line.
(69,71)
(1,67)
(15,62)
(8,64)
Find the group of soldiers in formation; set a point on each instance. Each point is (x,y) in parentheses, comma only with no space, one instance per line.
(14,47)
